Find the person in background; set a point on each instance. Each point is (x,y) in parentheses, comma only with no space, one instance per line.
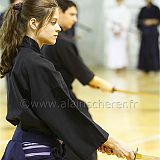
(148,22)
(67,60)
(11,2)
(117,29)
(39,103)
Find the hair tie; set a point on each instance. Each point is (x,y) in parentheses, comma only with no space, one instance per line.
(18,7)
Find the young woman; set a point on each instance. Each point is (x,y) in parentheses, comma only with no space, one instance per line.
(65,56)
(38,100)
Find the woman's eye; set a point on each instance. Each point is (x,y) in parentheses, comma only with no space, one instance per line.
(53,23)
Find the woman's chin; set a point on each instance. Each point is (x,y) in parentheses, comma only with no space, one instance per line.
(51,42)
(54,41)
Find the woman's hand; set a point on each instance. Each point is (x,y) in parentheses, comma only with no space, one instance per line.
(105,149)
(114,147)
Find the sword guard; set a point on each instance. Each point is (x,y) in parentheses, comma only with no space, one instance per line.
(135,153)
(113,89)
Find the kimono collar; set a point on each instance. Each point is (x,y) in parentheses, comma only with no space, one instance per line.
(31,43)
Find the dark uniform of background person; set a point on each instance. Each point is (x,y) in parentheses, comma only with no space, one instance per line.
(148,22)
(66,59)
(69,63)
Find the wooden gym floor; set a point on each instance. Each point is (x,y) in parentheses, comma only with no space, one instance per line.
(134,119)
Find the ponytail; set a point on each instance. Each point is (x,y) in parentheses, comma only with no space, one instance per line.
(11,34)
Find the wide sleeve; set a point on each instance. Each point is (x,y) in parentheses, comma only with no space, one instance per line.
(109,16)
(158,14)
(140,20)
(59,113)
(72,61)
(127,19)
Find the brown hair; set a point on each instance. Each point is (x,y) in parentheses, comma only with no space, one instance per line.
(14,27)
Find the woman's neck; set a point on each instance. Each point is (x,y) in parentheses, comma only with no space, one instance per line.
(34,38)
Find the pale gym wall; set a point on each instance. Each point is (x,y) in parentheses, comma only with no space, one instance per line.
(91,14)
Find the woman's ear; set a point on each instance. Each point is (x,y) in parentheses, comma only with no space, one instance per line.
(33,24)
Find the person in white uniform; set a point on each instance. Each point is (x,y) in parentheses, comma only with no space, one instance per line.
(118,22)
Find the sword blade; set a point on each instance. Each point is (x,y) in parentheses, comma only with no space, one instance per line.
(126,92)
(146,157)
(134,93)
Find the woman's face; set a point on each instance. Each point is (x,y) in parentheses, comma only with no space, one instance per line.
(49,32)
